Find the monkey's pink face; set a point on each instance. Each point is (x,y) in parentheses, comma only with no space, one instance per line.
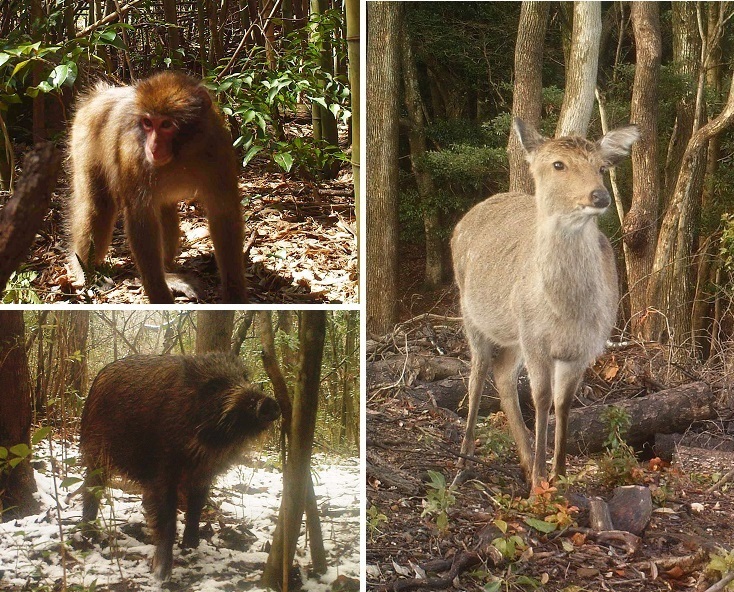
(159,135)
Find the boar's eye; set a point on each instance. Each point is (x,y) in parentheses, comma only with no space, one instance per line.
(558,165)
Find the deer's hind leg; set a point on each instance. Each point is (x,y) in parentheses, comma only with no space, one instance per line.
(481,361)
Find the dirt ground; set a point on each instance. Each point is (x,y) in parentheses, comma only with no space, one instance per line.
(300,241)
(486,542)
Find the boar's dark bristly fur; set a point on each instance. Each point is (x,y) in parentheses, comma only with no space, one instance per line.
(169,422)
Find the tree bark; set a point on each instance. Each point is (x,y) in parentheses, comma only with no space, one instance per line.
(17,484)
(353,9)
(665,412)
(214,330)
(581,70)
(23,215)
(174,37)
(640,223)
(416,136)
(670,287)
(297,473)
(383,72)
(527,97)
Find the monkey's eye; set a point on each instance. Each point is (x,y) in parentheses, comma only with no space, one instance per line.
(558,165)
(147,123)
(166,124)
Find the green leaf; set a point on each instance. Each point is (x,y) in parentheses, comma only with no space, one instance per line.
(69,481)
(59,75)
(495,586)
(14,462)
(4,57)
(442,521)
(21,450)
(319,101)
(3,452)
(438,481)
(540,525)
(284,160)
(501,524)
(40,434)
(250,154)
(19,66)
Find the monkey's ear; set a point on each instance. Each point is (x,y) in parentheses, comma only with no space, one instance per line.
(530,139)
(203,95)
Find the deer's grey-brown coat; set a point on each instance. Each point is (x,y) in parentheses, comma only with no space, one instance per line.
(538,285)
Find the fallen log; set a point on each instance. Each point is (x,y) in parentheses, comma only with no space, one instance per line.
(669,411)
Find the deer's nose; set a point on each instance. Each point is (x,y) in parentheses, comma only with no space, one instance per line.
(600,198)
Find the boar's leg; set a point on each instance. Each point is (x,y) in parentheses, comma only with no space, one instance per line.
(196,498)
(93,480)
(159,501)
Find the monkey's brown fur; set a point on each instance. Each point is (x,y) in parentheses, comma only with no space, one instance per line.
(111,172)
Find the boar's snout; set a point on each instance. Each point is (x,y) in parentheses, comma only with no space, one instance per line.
(268,410)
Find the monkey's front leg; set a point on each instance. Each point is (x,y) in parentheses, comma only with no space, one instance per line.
(227,231)
(143,229)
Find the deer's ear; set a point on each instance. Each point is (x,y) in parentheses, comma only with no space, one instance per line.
(529,138)
(615,146)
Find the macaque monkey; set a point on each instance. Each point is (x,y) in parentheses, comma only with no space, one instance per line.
(142,149)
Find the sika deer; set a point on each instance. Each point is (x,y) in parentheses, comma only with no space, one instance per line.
(538,285)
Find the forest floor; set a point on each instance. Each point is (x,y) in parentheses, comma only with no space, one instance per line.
(423,534)
(235,538)
(300,240)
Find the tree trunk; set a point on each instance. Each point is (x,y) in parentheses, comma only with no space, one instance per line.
(297,474)
(7,158)
(686,62)
(640,223)
(23,215)
(324,122)
(17,484)
(669,288)
(416,136)
(383,72)
(527,98)
(39,101)
(581,70)
(174,37)
(214,331)
(353,18)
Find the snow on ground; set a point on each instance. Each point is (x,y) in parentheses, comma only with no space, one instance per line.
(235,538)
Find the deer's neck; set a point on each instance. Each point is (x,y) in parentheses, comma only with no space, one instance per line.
(569,264)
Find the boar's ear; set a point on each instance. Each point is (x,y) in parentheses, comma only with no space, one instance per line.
(529,138)
(615,146)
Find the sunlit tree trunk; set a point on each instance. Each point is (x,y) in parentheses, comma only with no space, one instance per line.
(214,330)
(670,289)
(353,18)
(297,472)
(640,223)
(383,72)
(527,97)
(581,70)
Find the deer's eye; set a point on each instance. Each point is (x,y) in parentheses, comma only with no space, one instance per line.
(603,170)
(558,165)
